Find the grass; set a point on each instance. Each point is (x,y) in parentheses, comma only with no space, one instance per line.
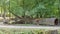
(18,31)
(23,31)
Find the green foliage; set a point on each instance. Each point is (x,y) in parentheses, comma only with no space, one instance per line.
(33,8)
(36,8)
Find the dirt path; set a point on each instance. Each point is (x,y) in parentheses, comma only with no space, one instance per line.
(41,27)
